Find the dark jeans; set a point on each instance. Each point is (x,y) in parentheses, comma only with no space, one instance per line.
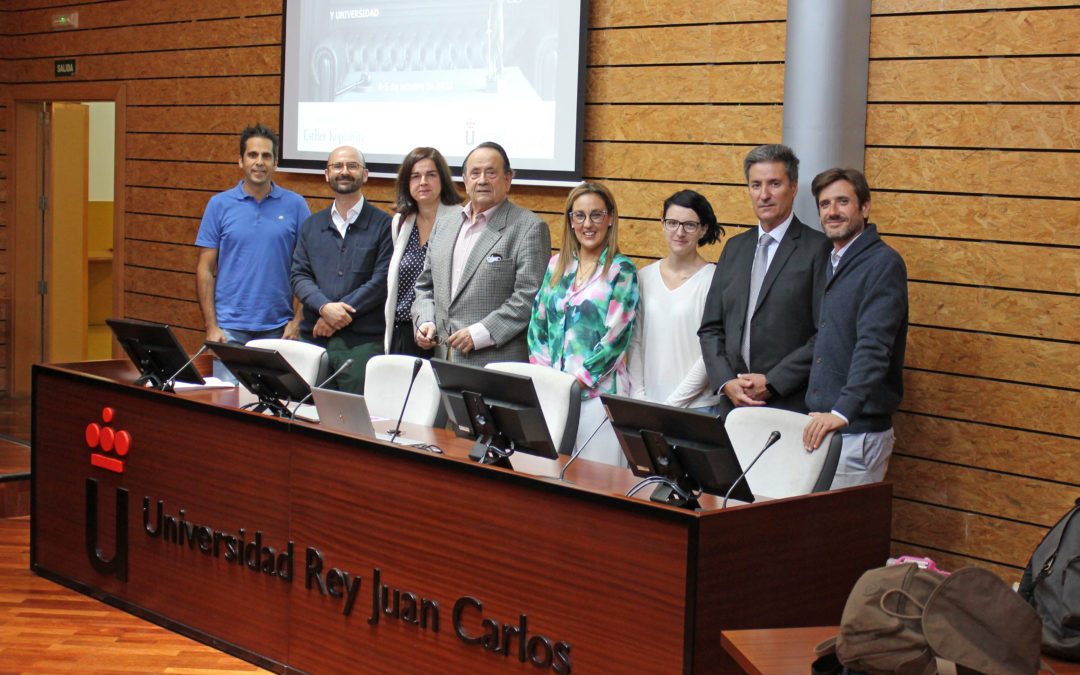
(242,337)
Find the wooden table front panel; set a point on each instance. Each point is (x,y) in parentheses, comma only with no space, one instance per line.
(217,468)
(605,575)
(606,579)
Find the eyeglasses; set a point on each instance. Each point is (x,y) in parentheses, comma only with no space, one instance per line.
(351,166)
(578,217)
(688,226)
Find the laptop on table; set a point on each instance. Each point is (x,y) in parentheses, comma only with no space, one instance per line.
(347,412)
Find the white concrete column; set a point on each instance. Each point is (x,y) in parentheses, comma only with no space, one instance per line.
(825,82)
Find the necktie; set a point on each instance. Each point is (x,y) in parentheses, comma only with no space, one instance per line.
(757,276)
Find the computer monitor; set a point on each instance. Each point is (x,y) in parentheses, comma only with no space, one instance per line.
(687,448)
(265,373)
(155,351)
(500,410)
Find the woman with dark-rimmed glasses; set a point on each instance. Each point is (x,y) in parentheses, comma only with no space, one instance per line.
(665,356)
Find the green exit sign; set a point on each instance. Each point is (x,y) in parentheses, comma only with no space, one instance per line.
(64,67)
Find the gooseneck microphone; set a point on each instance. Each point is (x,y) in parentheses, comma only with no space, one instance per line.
(577,453)
(341,369)
(773,438)
(169,384)
(396,431)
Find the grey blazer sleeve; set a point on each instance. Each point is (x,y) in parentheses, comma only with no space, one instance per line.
(530,250)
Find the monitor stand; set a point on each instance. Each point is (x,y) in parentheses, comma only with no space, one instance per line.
(486,450)
(267,401)
(665,492)
(151,379)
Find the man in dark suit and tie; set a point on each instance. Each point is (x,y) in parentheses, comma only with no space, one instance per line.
(483,269)
(339,271)
(760,317)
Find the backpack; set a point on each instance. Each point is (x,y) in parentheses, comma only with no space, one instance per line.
(1051,583)
(911,621)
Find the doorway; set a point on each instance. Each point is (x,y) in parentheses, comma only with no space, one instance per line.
(65,261)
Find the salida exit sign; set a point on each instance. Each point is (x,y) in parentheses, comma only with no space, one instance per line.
(64,67)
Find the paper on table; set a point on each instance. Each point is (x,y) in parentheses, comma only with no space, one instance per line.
(211,383)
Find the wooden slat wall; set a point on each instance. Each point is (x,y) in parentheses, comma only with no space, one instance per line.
(196,74)
(5,234)
(973,133)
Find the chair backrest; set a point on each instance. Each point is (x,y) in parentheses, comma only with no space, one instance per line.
(386,381)
(786,469)
(560,399)
(309,361)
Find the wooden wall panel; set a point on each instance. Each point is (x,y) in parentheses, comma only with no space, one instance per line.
(990,264)
(166,256)
(174,312)
(263,30)
(682,123)
(197,89)
(738,83)
(979,34)
(34,15)
(677,163)
(687,44)
(970,534)
(1008,404)
(232,62)
(974,171)
(651,13)
(973,129)
(160,282)
(1018,219)
(929,6)
(989,447)
(204,119)
(1017,126)
(991,493)
(1048,316)
(1015,359)
(1031,79)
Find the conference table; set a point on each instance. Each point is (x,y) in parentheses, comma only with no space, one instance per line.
(306,550)
(790,651)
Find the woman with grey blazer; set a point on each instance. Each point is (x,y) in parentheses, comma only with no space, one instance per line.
(425,192)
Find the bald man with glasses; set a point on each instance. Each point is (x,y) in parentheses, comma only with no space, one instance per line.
(339,271)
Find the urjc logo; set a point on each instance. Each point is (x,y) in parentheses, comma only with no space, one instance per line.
(109,441)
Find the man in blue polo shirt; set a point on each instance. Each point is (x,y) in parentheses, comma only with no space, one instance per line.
(339,271)
(245,242)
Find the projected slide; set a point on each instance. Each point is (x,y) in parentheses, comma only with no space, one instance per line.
(389,76)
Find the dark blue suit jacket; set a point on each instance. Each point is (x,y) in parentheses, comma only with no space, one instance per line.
(783,326)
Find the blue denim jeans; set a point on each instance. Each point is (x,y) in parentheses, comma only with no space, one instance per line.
(242,337)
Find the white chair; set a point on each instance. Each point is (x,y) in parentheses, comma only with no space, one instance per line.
(309,361)
(786,469)
(560,399)
(386,381)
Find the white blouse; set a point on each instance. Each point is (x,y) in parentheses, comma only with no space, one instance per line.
(665,355)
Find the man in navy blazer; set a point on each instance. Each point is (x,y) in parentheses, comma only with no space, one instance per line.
(857,378)
(339,271)
(761,355)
